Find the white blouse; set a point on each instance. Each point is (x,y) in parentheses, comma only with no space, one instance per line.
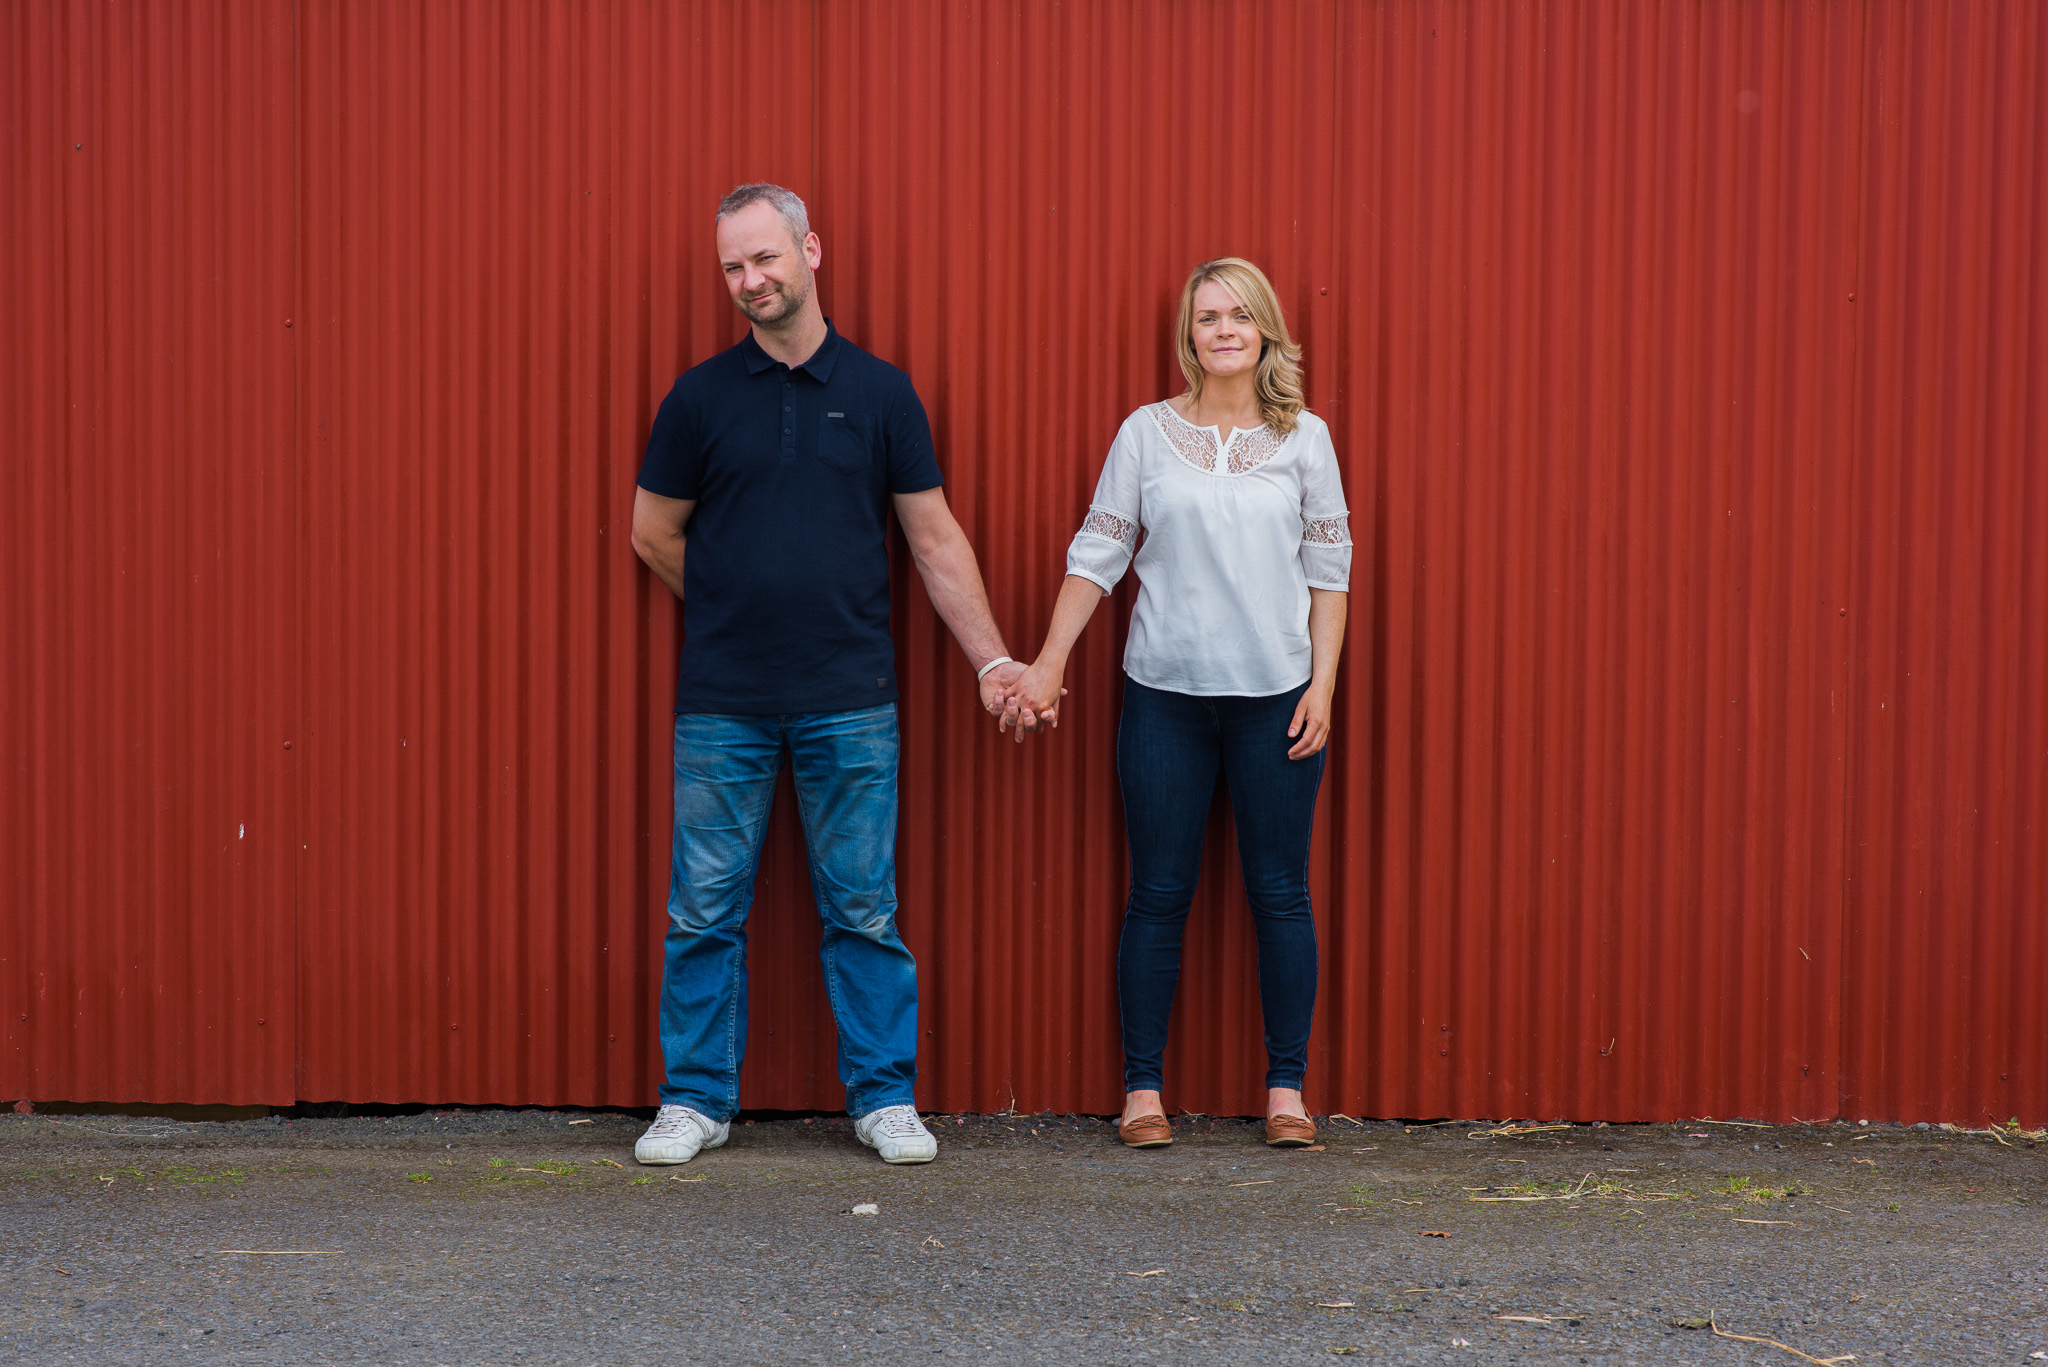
(1235,535)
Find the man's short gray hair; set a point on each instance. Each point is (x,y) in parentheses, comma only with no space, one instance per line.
(784,202)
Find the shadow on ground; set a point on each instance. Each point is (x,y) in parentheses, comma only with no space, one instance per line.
(480,1237)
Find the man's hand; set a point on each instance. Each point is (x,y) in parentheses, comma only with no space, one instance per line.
(995,687)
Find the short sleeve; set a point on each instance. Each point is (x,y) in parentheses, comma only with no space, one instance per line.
(1101,551)
(913,464)
(674,464)
(1325,521)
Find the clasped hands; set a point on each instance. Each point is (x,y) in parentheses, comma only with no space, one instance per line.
(1024,697)
(1027,697)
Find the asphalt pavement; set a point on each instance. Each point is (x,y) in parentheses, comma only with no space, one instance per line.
(496,1236)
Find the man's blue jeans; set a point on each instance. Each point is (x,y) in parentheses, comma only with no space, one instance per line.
(845,771)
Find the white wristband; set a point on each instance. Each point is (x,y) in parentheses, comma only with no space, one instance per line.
(982,673)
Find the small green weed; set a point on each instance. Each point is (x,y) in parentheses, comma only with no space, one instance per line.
(1748,1189)
(419,1177)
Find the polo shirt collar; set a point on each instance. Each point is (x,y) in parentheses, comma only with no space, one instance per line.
(819,366)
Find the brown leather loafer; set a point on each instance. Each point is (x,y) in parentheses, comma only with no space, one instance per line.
(1146,1132)
(1289,1131)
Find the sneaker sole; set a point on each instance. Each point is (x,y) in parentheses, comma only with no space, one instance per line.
(886,1159)
(676,1162)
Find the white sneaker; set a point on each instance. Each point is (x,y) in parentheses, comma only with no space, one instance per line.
(897,1134)
(677,1134)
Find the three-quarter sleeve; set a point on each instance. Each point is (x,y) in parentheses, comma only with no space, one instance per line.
(1325,521)
(1102,549)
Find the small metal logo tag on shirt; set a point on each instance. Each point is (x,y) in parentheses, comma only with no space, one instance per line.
(835,415)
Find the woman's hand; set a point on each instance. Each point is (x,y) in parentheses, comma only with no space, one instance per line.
(1311,722)
(1034,700)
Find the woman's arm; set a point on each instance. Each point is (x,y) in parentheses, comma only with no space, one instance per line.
(1096,559)
(1327,609)
(1034,699)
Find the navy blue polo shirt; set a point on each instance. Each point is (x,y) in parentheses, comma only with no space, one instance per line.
(786,571)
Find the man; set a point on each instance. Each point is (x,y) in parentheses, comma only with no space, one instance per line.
(763,504)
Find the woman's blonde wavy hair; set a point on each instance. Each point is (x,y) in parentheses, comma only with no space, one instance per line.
(1281,398)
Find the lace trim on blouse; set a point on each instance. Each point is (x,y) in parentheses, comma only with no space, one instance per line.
(1194,446)
(1110,526)
(1246,451)
(1249,450)
(1326,531)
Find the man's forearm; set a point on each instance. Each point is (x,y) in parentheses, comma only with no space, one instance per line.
(665,557)
(953,582)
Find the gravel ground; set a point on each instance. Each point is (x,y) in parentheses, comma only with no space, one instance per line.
(491,1236)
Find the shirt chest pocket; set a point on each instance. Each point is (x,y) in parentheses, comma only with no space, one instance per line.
(848,443)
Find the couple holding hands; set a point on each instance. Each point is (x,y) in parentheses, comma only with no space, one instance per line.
(763,504)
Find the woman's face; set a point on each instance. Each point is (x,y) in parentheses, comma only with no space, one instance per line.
(1225,341)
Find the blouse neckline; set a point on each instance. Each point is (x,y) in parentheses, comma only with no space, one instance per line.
(1214,427)
(1215,456)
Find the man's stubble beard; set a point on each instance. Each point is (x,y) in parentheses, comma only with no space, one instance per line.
(795,304)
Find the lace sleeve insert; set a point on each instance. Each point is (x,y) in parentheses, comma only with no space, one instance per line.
(1326,531)
(1110,527)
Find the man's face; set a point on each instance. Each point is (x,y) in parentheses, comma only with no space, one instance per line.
(767,271)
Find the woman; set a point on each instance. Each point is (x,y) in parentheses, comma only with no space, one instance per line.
(1243,566)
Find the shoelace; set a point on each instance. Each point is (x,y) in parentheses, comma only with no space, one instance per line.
(672,1121)
(898,1122)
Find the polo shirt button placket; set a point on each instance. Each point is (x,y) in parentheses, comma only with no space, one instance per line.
(788,420)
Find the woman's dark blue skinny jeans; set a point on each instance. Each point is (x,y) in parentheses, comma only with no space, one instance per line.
(1169,749)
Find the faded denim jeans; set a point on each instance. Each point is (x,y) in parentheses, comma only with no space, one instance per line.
(845,772)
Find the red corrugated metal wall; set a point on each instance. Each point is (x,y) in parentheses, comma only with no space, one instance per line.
(1682,360)
(150,681)
(1946,889)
